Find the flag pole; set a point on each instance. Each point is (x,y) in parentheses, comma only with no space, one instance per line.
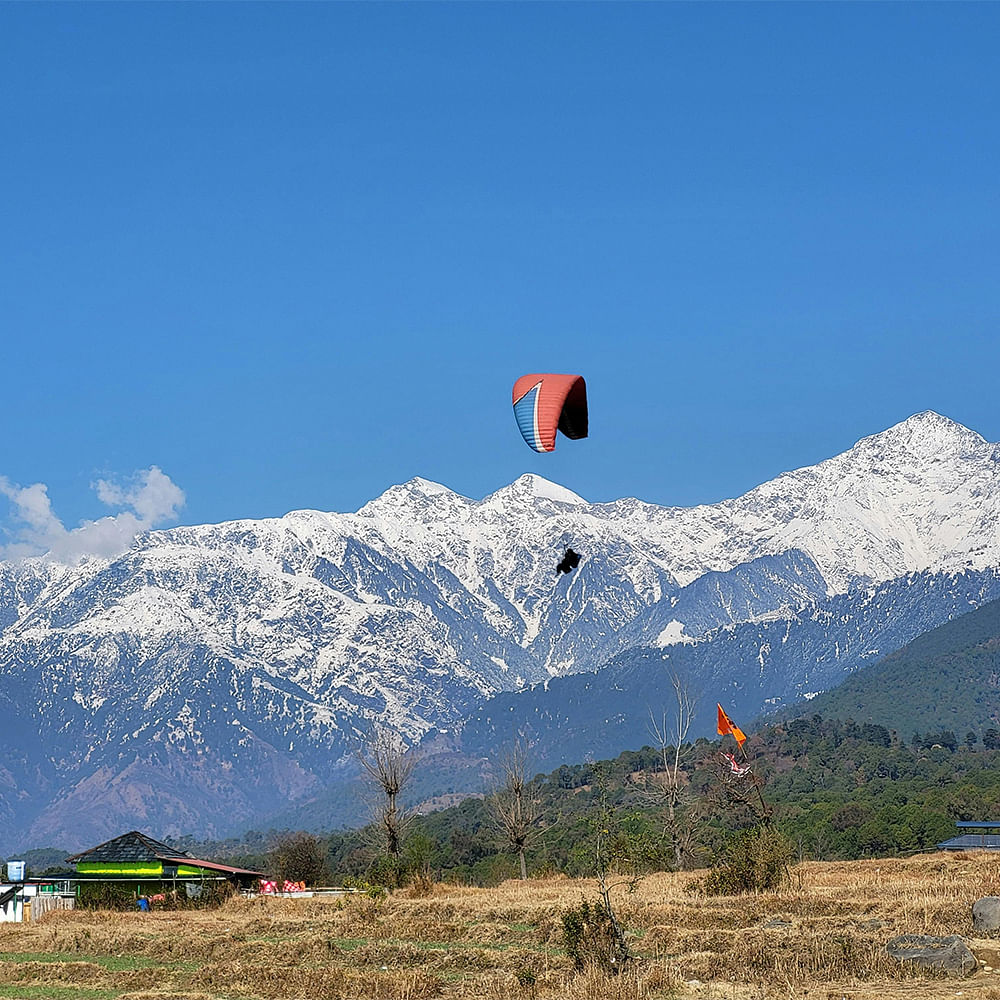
(725,727)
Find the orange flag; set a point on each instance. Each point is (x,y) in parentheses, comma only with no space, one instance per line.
(726,725)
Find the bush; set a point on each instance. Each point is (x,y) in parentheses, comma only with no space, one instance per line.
(418,871)
(106,896)
(591,938)
(753,860)
(527,981)
(299,857)
(412,869)
(370,890)
(421,882)
(387,871)
(207,897)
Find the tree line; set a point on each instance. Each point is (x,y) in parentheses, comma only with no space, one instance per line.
(837,790)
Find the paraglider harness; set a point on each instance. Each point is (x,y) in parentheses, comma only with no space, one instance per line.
(569,562)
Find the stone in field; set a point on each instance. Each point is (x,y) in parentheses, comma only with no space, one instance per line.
(986,914)
(948,954)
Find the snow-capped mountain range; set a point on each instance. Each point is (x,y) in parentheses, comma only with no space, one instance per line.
(215,673)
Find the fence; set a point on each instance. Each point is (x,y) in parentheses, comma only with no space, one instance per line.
(45,903)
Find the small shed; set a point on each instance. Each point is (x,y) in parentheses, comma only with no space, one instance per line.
(974,837)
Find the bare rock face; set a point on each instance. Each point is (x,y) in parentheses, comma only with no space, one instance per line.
(986,915)
(943,954)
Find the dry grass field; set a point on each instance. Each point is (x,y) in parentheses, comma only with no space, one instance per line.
(823,938)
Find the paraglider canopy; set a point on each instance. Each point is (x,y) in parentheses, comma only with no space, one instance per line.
(544,404)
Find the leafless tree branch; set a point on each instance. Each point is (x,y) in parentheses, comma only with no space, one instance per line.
(388,768)
(514,811)
(670,738)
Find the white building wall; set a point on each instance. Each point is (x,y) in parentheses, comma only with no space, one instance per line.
(13,912)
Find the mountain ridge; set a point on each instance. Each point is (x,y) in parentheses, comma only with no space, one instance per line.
(266,647)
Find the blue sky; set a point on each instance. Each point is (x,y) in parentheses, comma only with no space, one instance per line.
(293,254)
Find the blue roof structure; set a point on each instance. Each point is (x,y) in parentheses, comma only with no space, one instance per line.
(972,842)
(981,841)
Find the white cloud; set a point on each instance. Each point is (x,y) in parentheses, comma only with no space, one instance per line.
(152,495)
(149,499)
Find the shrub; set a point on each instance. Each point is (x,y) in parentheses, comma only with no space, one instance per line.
(421,883)
(387,871)
(753,860)
(417,864)
(527,980)
(106,896)
(209,896)
(592,939)
(371,890)
(299,857)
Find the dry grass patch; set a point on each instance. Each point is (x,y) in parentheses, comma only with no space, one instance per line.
(824,937)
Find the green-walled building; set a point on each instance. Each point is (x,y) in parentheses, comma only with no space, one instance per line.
(150,866)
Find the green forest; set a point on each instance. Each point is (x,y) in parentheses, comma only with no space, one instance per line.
(949,676)
(836,789)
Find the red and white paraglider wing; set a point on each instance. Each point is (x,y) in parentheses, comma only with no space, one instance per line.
(544,404)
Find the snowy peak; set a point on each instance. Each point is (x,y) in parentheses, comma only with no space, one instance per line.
(428,501)
(417,496)
(924,494)
(526,490)
(924,437)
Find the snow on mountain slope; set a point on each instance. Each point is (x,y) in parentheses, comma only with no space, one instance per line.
(750,666)
(261,648)
(924,494)
(765,587)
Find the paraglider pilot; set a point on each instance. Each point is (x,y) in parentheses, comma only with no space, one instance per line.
(569,562)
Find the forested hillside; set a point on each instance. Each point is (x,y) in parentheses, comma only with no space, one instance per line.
(838,789)
(946,678)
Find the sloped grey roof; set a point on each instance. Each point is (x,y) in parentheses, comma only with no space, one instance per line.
(129,847)
(972,842)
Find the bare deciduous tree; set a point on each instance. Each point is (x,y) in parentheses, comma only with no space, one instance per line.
(671,735)
(388,768)
(515,812)
(619,862)
(742,795)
